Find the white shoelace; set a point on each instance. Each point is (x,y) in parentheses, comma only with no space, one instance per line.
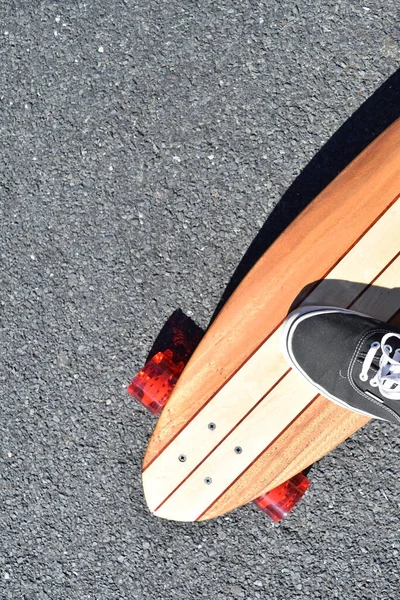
(387,378)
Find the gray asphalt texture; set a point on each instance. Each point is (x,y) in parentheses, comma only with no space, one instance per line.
(143,149)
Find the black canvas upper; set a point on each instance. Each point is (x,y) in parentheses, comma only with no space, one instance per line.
(330,349)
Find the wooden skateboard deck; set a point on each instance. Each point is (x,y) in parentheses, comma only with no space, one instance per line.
(240,421)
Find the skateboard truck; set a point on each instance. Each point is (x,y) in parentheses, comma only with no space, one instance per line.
(153,385)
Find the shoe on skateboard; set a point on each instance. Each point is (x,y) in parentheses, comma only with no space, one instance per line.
(348,357)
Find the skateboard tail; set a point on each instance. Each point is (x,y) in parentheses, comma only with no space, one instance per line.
(276,504)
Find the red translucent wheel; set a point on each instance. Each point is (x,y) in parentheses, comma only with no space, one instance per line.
(280,501)
(153,385)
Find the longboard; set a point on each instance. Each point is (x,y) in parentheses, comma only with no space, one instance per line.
(239,421)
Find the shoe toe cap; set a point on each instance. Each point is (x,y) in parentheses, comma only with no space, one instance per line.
(323,345)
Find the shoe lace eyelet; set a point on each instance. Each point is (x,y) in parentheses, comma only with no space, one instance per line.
(388,348)
(363,376)
(375,345)
(373,382)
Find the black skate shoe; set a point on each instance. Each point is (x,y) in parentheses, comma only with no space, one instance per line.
(349,358)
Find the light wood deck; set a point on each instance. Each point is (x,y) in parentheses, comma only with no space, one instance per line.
(345,249)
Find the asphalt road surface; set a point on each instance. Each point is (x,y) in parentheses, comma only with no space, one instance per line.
(143,148)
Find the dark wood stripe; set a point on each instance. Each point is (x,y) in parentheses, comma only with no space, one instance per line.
(374,279)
